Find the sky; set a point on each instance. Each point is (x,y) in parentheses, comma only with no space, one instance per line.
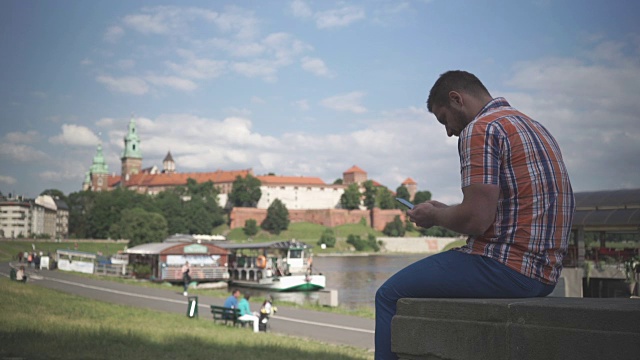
(308,88)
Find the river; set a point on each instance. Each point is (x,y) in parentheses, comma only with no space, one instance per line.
(355,277)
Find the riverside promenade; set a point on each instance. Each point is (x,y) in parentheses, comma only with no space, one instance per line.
(322,326)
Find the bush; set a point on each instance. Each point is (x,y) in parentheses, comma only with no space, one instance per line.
(359,244)
(250,227)
(328,238)
(395,228)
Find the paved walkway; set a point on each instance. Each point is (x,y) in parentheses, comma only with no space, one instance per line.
(322,326)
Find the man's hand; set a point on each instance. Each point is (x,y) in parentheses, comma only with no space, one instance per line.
(472,217)
(424,214)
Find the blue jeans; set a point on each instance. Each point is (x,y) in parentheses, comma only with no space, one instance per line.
(450,274)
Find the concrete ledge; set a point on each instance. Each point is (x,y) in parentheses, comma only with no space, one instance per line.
(540,328)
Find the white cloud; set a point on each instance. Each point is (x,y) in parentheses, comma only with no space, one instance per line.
(105,122)
(300,9)
(86,61)
(128,85)
(196,68)
(590,105)
(315,66)
(173,82)
(258,68)
(113,34)
(347,102)
(339,17)
(9,180)
(75,135)
(21,153)
(28,137)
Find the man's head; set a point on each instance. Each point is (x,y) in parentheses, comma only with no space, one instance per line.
(236,293)
(456,98)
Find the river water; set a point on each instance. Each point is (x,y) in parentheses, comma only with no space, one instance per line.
(355,277)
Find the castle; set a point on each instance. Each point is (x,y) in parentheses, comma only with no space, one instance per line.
(296,192)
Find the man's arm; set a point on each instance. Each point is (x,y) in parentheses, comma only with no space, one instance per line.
(472,217)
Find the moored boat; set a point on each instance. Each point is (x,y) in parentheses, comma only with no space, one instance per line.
(273,266)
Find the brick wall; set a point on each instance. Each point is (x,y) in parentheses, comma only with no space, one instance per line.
(325,217)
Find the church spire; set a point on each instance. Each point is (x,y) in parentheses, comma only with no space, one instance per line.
(132,142)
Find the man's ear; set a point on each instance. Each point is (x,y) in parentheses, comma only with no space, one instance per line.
(455,98)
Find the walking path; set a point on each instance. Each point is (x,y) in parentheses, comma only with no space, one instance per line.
(321,326)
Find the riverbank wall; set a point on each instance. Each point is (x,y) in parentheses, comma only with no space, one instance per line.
(424,244)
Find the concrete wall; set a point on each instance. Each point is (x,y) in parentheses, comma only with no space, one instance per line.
(425,244)
(517,329)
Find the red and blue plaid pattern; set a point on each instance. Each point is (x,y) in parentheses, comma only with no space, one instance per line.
(530,234)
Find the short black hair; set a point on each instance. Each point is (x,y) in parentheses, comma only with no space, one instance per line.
(454,80)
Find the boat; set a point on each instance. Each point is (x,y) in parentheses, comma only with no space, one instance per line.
(274,266)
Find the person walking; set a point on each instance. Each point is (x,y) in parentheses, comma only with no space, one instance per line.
(517,208)
(186,277)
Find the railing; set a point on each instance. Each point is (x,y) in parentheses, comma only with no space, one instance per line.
(111,269)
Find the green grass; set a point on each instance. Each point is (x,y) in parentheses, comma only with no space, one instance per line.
(9,249)
(39,323)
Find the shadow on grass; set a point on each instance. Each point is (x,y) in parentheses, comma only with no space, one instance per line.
(109,344)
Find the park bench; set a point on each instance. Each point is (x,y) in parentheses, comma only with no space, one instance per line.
(227,315)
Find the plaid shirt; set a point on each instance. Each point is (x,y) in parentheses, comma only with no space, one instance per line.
(530,234)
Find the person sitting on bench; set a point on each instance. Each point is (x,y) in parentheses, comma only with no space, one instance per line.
(21,275)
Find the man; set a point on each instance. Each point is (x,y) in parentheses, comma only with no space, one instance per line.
(517,208)
(246,314)
(232,300)
(186,278)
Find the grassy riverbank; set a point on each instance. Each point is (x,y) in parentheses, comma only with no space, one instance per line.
(38,323)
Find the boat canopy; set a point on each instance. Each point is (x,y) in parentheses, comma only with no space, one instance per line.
(267,245)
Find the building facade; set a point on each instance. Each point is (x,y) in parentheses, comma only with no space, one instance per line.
(295,192)
(21,217)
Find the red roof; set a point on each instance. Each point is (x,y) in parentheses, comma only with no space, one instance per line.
(178,179)
(290,180)
(355,169)
(409,181)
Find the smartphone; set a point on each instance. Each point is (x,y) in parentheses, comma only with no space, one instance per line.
(405,203)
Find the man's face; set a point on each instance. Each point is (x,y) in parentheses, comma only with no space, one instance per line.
(453,119)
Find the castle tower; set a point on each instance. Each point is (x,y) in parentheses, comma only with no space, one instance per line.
(354,175)
(412,186)
(132,154)
(168,165)
(99,171)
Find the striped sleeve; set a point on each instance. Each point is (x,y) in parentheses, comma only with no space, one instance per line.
(480,149)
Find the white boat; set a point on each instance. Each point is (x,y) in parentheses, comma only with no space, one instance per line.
(273,266)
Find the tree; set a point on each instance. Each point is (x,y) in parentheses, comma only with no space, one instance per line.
(250,227)
(386,200)
(403,193)
(369,194)
(140,227)
(350,199)
(328,238)
(245,192)
(337,181)
(80,205)
(395,228)
(277,218)
(108,206)
(171,206)
(56,194)
(421,196)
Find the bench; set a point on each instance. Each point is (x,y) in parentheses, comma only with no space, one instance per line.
(227,315)
(506,329)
